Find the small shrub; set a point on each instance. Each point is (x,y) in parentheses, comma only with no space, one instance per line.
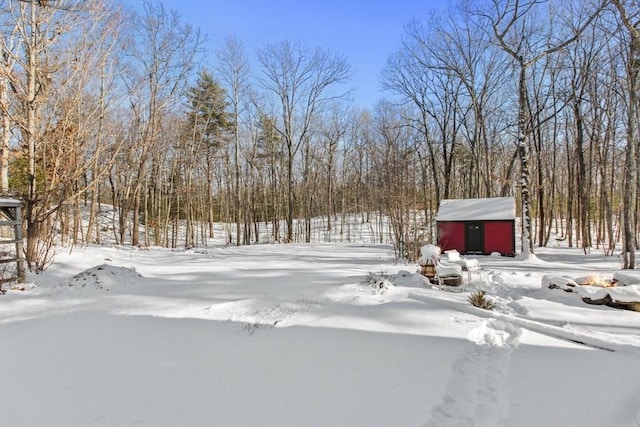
(380,282)
(479,299)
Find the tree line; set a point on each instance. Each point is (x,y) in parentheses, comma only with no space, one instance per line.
(104,104)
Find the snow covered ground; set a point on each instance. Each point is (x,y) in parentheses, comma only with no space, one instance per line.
(312,335)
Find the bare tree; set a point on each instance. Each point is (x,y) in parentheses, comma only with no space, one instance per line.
(630,17)
(52,87)
(448,76)
(8,55)
(269,160)
(333,128)
(233,67)
(516,29)
(394,175)
(99,97)
(410,73)
(302,80)
(34,25)
(162,57)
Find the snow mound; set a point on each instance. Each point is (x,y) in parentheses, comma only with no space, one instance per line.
(256,312)
(627,278)
(514,280)
(552,281)
(104,277)
(408,279)
(624,292)
(530,258)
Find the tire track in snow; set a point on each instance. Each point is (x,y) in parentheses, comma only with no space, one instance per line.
(475,394)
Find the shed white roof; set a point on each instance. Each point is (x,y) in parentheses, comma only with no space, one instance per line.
(495,208)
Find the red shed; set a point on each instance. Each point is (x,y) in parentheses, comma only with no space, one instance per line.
(477,226)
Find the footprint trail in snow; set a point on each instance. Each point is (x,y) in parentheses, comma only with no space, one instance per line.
(475,394)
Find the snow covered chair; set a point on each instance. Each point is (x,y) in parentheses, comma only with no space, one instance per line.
(468,265)
(429,259)
(449,274)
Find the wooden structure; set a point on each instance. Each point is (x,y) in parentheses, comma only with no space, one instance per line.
(11,217)
(477,226)
(429,271)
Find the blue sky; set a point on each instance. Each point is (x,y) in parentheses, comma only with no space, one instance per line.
(365,32)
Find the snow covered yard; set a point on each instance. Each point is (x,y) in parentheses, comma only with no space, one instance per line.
(295,335)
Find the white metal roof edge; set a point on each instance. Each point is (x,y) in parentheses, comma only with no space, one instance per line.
(482,209)
(10,202)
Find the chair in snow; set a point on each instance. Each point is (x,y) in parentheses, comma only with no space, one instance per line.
(429,259)
(449,274)
(468,265)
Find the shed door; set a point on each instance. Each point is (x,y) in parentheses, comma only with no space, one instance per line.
(474,237)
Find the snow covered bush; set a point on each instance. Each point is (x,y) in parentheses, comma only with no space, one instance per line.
(380,282)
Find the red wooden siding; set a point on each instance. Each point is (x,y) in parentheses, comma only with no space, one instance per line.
(451,236)
(498,237)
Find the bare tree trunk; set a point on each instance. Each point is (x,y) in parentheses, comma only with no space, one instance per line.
(234,68)
(582,184)
(33,225)
(5,71)
(629,203)
(511,29)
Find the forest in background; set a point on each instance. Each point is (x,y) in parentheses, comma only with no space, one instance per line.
(103,104)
